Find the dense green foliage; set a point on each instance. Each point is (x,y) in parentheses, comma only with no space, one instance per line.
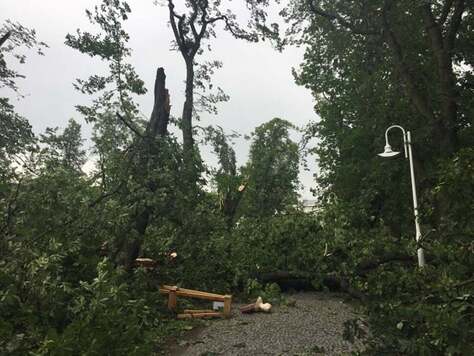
(272,170)
(68,240)
(371,64)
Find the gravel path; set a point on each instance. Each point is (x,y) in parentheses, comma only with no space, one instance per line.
(313,326)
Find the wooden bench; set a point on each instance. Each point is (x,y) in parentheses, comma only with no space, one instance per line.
(174,292)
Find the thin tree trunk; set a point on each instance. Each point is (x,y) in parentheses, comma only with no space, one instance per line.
(446,122)
(187,125)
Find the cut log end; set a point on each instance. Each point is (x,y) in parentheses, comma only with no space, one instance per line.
(258,306)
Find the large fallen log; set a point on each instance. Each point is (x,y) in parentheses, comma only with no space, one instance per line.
(368,265)
(287,280)
(341,284)
(299,281)
(333,281)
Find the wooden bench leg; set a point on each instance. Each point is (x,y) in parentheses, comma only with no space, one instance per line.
(227,305)
(172,298)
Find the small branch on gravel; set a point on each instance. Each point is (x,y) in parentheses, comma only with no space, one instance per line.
(258,306)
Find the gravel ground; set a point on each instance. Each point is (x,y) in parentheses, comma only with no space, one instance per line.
(313,326)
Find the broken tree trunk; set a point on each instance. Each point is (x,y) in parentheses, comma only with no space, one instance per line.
(160,116)
(157,127)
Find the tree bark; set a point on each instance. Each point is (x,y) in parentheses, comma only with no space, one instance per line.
(446,122)
(187,123)
(160,116)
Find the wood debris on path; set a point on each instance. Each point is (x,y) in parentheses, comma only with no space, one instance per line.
(315,325)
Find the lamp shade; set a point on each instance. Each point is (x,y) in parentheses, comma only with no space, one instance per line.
(388,152)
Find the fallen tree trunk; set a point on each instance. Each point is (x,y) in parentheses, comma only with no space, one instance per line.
(288,280)
(366,266)
(300,281)
(333,281)
(341,284)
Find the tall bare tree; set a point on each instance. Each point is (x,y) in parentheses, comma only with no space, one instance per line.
(191,28)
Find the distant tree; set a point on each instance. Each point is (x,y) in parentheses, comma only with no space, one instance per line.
(227,179)
(272,170)
(63,149)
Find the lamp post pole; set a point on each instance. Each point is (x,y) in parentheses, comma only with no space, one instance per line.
(420,252)
(408,154)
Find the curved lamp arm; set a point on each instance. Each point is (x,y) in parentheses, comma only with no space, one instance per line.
(405,142)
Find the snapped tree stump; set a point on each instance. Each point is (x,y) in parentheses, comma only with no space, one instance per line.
(174,292)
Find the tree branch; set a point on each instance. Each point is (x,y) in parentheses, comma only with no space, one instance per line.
(178,37)
(339,19)
(181,33)
(129,125)
(445,12)
(433,29)
(193,17)
(5,37)
(464,283)
(202,31)
(455,24)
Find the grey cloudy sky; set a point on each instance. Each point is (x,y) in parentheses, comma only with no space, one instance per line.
(257,78)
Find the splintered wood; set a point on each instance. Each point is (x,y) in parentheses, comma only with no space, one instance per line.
(174,292)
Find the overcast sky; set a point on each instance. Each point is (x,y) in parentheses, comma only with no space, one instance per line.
(257,78)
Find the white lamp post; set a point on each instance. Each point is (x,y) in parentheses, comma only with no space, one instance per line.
(388,152)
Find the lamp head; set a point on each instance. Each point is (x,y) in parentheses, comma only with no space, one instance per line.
(387,152)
